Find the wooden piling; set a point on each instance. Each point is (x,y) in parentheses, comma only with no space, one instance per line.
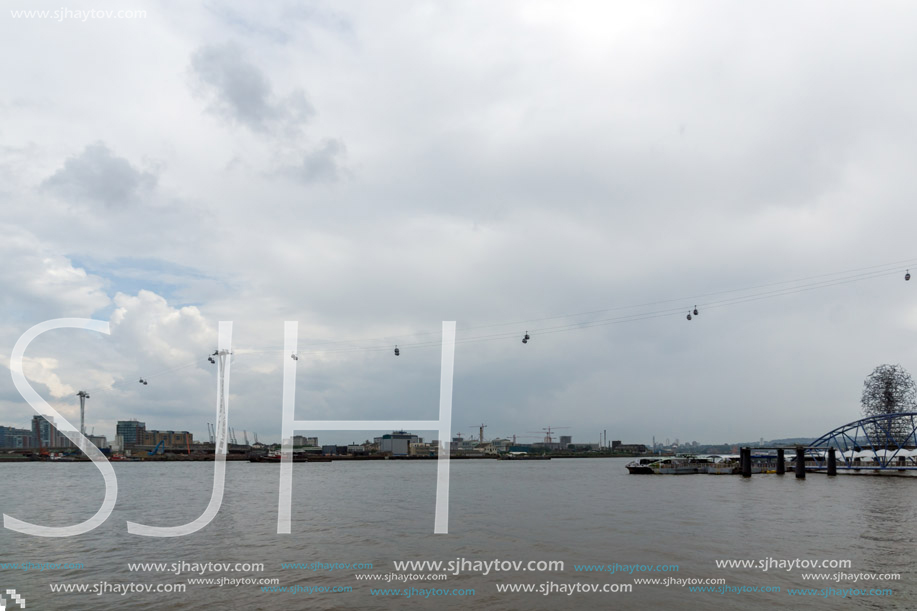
(832,462)
(781,461)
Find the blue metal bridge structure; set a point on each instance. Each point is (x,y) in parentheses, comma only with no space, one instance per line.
(883,444)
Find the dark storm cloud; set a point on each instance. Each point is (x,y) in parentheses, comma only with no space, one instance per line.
(98,175)
(242,93)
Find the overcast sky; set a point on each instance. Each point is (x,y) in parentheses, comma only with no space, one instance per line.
(371,169)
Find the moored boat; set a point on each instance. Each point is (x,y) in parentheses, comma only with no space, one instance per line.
(670,465)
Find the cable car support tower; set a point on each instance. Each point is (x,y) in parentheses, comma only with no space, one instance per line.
(83,395)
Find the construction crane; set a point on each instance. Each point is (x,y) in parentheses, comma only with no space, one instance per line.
(481,428)
(232,436)
(547,432)
(245,436)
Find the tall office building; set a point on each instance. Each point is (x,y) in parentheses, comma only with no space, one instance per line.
(131,432)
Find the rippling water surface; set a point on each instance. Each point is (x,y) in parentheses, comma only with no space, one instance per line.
(587,511)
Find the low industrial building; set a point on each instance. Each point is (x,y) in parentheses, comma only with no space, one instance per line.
(397,443)
(133,433)
(629,448)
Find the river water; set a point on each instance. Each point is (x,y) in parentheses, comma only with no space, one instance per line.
(579,511)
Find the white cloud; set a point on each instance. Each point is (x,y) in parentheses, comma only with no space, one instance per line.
(41,370)
(42,283)
(147,326)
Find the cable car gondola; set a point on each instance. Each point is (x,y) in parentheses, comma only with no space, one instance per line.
(397,351)
(689,315)
(695,310)
(294,357)
(142,381)
(526,339)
